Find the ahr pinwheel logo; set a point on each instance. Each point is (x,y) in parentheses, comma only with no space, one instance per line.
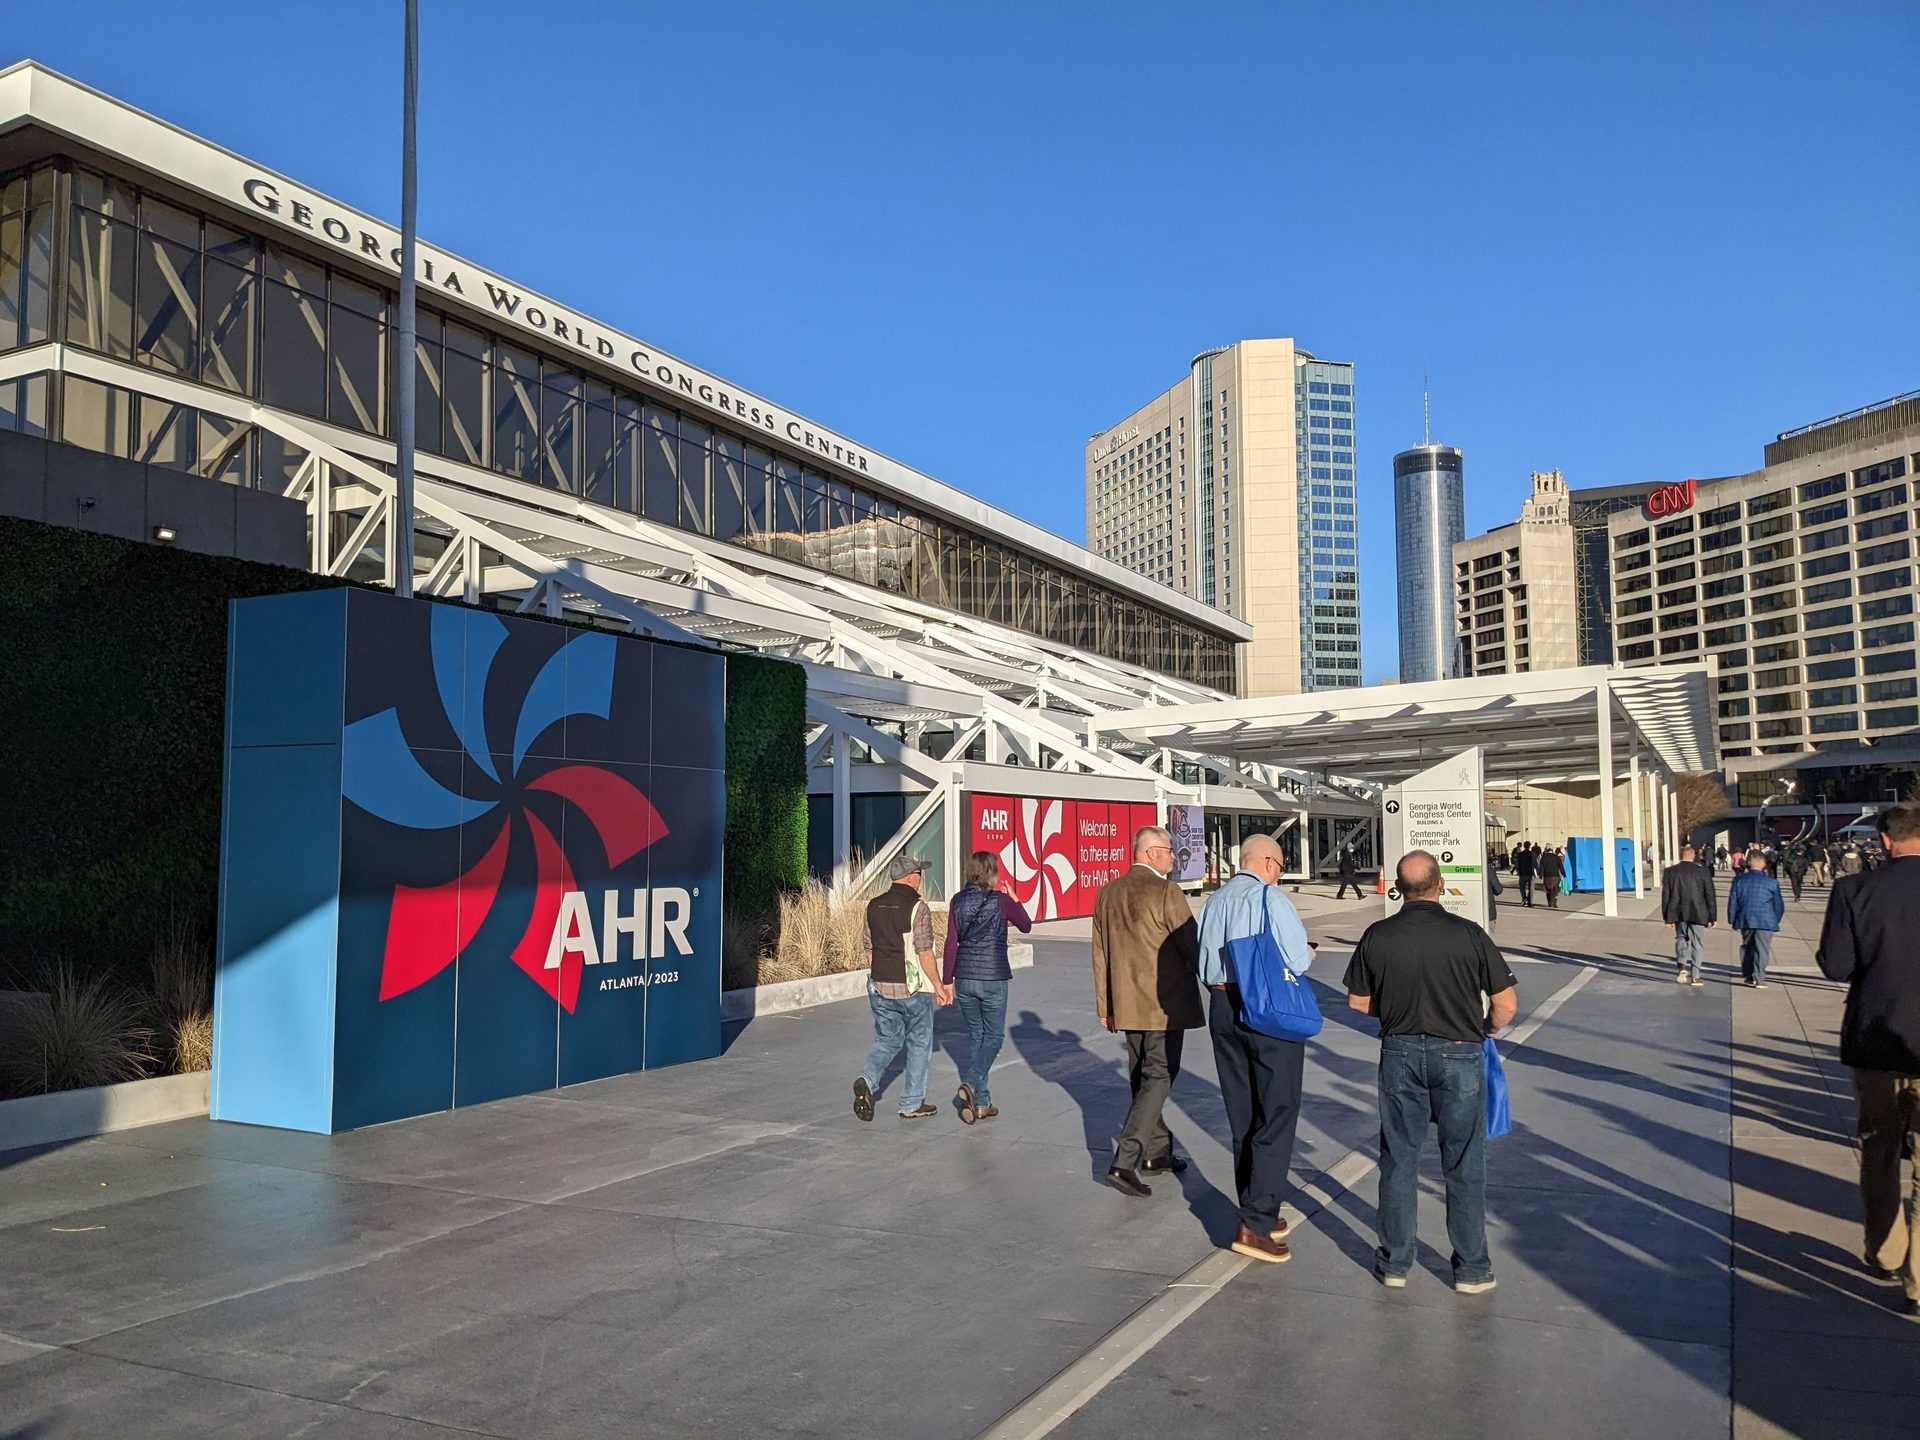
(519,802)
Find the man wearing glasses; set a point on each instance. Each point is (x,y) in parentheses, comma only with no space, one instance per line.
(1260,1076)
(1144,948)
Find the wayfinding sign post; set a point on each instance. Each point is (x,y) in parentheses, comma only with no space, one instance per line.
(1442,810)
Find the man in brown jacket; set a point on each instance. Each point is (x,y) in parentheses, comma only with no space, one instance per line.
(1145,946)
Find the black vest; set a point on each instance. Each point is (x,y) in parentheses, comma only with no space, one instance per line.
(890,924)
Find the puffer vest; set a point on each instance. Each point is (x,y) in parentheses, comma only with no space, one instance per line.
(980,952)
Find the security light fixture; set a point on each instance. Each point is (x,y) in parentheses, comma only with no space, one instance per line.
(163,534)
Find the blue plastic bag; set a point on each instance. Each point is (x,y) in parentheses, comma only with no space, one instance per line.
(1499,1113)
(1272,998)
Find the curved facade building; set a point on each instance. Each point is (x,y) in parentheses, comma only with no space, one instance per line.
(1430,516)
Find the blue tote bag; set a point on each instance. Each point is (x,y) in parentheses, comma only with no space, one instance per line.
(1499,1113)
(1273,1000)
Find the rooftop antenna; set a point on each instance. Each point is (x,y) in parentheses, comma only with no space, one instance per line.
(1426,414)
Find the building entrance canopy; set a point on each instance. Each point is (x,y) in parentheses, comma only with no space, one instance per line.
(1542,728)
(1534,727)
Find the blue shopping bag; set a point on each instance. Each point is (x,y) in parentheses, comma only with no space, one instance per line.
(1499,1113)
(1272,998)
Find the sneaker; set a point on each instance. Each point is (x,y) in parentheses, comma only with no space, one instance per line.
(1474,1287)
(1759,984)
(1392,1282)
(1255,1246)
(1698,984)
(1680,977)
(863,1098)
(920,1113)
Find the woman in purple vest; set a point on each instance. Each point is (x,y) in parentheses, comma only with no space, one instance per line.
(976,967)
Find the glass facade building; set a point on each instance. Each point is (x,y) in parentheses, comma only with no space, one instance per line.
(1430,518)
(1329,524)
(115,266)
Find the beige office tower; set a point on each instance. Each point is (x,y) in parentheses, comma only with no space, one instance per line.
(1516,589)
(1236,488)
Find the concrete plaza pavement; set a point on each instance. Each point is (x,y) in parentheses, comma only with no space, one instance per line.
(721,1249)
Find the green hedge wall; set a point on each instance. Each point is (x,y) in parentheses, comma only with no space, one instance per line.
(766,782)
(112,719)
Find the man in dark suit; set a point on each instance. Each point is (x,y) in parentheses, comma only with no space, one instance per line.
(1871,941)
(1525,862)
(1145,945)
(1690,908)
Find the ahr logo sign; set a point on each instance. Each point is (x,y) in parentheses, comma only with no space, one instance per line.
(657,918)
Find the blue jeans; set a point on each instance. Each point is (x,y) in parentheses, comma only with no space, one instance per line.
(983,1005)
(907,1022)
(1689,947)
(1756,950)
(1423,1080)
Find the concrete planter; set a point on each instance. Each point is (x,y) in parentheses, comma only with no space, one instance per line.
(819,990)
(75,1114)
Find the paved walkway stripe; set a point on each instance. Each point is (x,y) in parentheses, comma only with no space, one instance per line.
(1054,1403)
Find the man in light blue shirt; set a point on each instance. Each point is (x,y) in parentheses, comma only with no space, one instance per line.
(1260,1076)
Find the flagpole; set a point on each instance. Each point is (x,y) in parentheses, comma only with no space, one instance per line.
(405,359)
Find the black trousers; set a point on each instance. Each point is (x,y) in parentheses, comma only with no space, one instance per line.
(1526,887)
(1354,881)
(1153,1064)
(1260,1083)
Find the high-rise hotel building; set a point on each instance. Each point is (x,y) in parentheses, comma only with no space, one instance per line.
(1797,578)
(1430,518)
(1236,488)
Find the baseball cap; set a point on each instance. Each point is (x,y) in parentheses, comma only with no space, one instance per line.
(902,866)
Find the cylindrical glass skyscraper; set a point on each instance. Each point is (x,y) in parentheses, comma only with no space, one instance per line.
(1430,514)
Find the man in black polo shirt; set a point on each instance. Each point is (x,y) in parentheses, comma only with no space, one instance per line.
(1423,973)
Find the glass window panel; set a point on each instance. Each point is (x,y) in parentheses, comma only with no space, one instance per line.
(759,491)
(429,385)
(293,351)
(180,226)
(230,247)
(99,283)
(167,323)
(226,451)
(628,441)
(96,417)
(516,412)
(660,494)
(12,277)
(291,270)
(165,434)
(596,458)
(695,503)
(839,526)
(560,432)
(36,306)
(102,196)
(226,340)
(729,488)
(464,419)
(361,299)
(280,460)
(356,377)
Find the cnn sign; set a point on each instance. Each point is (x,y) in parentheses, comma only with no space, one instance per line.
(1670,500)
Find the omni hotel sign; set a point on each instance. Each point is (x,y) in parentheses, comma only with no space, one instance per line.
(1670,500)
(299,209)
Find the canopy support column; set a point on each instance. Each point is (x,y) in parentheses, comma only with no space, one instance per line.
(1609,878)
(1633,804)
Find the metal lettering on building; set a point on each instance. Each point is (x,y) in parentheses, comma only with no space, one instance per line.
(1670,500)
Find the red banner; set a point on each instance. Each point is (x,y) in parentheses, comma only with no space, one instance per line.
(1056,854)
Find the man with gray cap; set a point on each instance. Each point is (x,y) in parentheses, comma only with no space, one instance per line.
(903,987)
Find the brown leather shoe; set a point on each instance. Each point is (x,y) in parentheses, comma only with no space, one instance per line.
(1256,1246)
(1279,1231)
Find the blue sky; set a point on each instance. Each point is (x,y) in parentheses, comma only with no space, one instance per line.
(1629,240)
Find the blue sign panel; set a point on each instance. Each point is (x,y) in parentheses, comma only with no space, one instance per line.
(504,885)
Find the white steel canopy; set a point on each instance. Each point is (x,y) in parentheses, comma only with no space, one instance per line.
(1537,727)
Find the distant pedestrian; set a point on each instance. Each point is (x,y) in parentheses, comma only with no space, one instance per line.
(1494,891)
(1349,873)
(1553,870)
(1145,944)
(902,988)
(1526,865)
(1738,858)
(1798,862)
(1720,857)
(1438,986)
(1871,941)
(1754,908)
(1817,853)
(1690,908)
(1260,1075)
(975,966)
